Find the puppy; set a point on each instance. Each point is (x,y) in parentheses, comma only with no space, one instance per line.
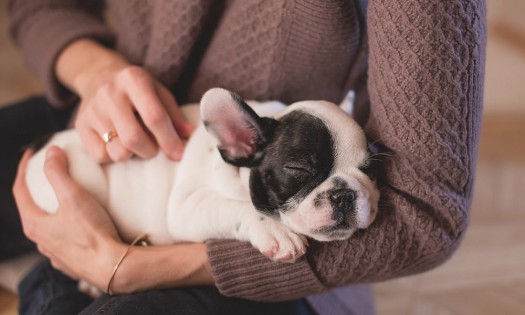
(269,181)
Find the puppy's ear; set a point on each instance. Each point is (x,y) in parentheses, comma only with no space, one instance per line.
(240,133)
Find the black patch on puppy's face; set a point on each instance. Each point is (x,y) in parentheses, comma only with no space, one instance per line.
(299,157)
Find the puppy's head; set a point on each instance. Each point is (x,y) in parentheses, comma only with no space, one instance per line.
(309,164)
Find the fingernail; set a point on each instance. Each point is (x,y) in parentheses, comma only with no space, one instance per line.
(177,154)
(52,151)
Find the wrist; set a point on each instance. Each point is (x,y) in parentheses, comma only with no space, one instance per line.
(84,65)
(139,240)
(157,267)
(108,254)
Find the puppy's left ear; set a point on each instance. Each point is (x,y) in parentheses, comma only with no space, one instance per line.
(240,133)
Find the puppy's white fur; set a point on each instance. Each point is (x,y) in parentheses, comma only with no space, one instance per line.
(199,198)
(202,197)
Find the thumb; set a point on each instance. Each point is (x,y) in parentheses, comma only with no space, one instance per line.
(56,168)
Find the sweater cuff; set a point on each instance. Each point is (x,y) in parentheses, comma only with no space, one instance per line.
(47,35)
(241,271)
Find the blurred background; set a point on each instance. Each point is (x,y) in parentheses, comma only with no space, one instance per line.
(487,274)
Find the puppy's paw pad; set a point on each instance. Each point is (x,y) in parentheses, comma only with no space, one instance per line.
(291,246)
(270,253)
(276,241)
(288,256)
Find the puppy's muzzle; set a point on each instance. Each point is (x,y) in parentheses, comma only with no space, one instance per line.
(343,204)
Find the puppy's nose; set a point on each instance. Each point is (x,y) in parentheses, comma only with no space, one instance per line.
(342,204)
(342,198)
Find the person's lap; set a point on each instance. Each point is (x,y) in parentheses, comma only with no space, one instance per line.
(20,125)
(198,301)
(47,291)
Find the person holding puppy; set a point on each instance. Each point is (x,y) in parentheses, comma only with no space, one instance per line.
(418,85)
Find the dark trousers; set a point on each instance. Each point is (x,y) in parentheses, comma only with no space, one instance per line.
(20,125)
(47,291)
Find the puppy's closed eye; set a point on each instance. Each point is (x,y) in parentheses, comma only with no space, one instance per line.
(297,170)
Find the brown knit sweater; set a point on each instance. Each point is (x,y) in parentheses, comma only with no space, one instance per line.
(424,61)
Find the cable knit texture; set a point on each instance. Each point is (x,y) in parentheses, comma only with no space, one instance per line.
(422,103)
(43,28)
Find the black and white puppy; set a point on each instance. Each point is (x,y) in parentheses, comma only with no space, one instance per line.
(267,180)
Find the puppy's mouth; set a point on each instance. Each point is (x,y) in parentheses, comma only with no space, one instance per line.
(340,231)
(329,229)
(342,222)
(333,233)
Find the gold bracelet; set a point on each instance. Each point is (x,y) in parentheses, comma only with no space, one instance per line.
(142,238)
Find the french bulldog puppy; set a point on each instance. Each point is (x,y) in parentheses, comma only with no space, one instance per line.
(294,171)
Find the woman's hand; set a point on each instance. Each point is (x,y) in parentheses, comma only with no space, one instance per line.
(124,99)
(81,240)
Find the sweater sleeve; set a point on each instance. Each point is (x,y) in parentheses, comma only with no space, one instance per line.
(426,68)
(42,29)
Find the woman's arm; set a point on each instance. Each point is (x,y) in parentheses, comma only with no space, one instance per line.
(426,74)
(80,239)
(62,41)
(42,29)
(157,267)
(425,83)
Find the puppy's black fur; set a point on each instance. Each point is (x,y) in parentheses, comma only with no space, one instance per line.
(302,157)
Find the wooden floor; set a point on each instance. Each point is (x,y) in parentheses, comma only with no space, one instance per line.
(487,274)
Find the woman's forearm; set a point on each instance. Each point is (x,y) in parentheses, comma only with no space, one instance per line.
(85,64)
(43,29)
(156,267)
(81,240)
(425,84)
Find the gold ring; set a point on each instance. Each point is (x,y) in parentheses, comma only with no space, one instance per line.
(107,136)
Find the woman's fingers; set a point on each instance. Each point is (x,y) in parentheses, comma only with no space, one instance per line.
(30,214)
(94,144)
(75,235)
(21,192)
(142,113)
(153,112)
(86,124)
(131,137)
(56,168)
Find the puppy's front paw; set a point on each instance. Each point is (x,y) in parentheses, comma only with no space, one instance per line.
(277,242)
